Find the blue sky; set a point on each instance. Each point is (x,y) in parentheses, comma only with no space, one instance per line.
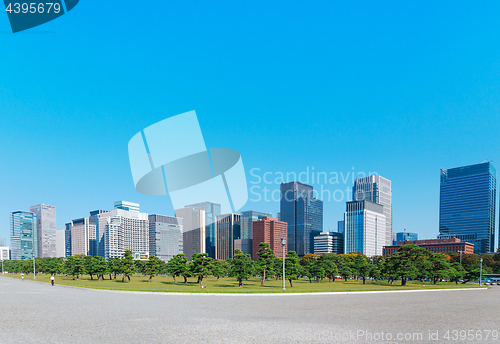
(397,88)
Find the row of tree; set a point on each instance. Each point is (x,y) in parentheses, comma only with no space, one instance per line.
(410,262)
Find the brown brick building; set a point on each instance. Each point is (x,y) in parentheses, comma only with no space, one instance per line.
(269,230)
(434,245)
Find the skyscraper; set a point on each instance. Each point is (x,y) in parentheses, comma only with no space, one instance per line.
(165,236)
(271,231)
(404,236)
(467,205)
(211,211)
(46,222)
(378,190)
(304,215)
(3,242)
(78,234)
(23,235)
(193,236)
(228,229)
(247,218)
(365,228)
(126,229)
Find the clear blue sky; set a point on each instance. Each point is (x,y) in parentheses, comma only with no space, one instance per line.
(397,88)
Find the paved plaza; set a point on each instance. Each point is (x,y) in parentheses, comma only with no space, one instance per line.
(32,312)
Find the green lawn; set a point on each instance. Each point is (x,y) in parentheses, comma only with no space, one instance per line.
(230,285)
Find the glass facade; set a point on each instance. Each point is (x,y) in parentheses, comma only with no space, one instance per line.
(404,236)
(211,211)
(365,228)
(228,229)
(247,217)
(467,205)
(23,235)
(376,189)
(304,215)
(46,221)
(165,236)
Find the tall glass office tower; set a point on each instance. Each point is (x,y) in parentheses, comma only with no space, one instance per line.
(467,205)
(304,215)
(211,211)
(23,235)
(376,189)
(46,229)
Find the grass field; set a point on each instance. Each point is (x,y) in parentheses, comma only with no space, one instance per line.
(230,285)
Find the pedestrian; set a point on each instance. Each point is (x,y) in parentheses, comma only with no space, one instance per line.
(22,277)
(52,280)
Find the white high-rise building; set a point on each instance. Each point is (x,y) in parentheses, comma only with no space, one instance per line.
(126,230)
(46,226)
(60,243)
(165,236)
(365,228)
(193,222)
(4,253)
(378,190)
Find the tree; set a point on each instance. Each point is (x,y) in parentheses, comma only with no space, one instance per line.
(292,267)
(55,266)
(344,266)
(114,267)
(177,266)
(74,266)
(362,267)
(330,266)
(265,261)
(100,267)
(152,267)
(406,262)
(241,267)
(316,268)
(127,265)
(457,272)
(219,268)
(88,263)
(201,266)
(440,267)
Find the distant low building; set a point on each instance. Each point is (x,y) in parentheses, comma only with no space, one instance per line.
(332,242)
(4,253)
(434,245)
(403,236)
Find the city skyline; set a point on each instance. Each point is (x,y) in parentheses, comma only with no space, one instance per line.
(361,89)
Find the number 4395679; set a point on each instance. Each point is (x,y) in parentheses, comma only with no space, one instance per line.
(33,7)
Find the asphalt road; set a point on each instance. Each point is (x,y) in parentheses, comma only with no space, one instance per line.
(32,312)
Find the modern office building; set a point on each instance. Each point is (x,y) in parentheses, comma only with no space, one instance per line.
(434,245)
(3,242)
(46,221)
(304,215)
(127,229)
(376,189)
(99,219)
(403,236)
(193,236)
(165,236)
(329,242)
(323,243)
(467,205)
(271,231)
(228,229)
(211,211)
(23,235)
(60,242)
(365,228)
(247,218)
(78,237)
(4,253)
(245,245)
(341,226)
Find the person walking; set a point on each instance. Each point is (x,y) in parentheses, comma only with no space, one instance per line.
(22,277)
(52,279)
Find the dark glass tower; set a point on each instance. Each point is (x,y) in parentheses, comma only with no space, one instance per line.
(304,215)
(467,205)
